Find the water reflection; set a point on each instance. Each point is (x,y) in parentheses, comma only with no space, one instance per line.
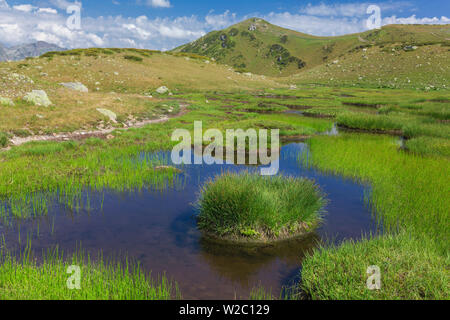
(158,229)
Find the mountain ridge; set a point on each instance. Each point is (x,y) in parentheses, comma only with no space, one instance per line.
(23,51)
(259,47)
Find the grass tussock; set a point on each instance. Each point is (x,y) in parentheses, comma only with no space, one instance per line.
(250,207)
(429,146)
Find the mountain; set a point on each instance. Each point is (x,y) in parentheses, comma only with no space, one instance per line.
(257,46)
(27,50)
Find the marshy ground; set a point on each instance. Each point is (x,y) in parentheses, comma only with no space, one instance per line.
(385,173)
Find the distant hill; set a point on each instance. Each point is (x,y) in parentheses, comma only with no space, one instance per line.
(27,50)
(259,47)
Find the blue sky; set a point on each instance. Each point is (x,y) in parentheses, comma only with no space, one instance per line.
(164,24)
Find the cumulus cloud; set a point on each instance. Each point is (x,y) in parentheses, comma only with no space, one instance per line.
(24,7)
(339,19)
(47,10)
(356,9)
(221,20)
(48,24)
(159,3)
(64,4)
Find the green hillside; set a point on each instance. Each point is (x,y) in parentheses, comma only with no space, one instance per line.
(259,47)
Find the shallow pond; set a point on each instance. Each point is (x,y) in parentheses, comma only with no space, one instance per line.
(158,229)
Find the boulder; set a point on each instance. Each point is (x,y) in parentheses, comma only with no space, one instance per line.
(38,98)
(111,115)
(77,86)
(6,102)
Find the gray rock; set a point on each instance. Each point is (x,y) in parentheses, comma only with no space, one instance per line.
(111,115)
(162,90)
(77,86)
(38,97)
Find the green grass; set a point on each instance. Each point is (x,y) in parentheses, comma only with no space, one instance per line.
(401,124)
(38,173)
(411,269)
(133,58)
(429,146)
(22,278)
(409,196)
(251,207)
(4,139)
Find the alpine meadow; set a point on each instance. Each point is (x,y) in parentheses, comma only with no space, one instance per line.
(93,207)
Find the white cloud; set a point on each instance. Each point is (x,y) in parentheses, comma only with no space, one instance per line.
(24,7)
(414,20)
(356,9)
(159,3)
(3,4)
(47,10)
(64,4)
(47,24)
(339,25)
(223,20)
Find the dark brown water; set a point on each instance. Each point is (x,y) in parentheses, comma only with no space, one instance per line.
(158,229)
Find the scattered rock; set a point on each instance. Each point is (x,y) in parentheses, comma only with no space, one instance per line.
(162,90)
(110,137)
(77,86)
(6,102)
(111,115)
(410,48)
(38,98)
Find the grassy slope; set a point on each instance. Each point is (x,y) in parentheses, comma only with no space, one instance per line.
(386,66)
(250,50)
(115,83)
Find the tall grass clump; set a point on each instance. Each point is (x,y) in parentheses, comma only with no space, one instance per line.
(369,122)
(253,208)
(4,140)
(429,146)
(411,269)
(22,278)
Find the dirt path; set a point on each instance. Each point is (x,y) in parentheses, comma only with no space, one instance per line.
(103,133)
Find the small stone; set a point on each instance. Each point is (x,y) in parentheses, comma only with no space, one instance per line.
(77,86)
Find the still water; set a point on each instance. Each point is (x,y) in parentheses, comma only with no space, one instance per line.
(157,228)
